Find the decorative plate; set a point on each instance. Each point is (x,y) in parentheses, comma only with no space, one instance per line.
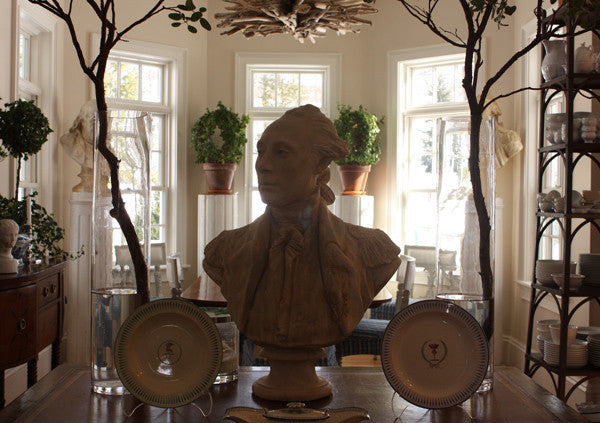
(168,353)
(434,354)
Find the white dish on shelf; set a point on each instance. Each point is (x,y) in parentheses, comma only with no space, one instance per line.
(434,354)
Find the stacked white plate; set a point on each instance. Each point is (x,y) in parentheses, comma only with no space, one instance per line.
(577,354)
(543,328)
(584,331)
(594,341)
(540,343)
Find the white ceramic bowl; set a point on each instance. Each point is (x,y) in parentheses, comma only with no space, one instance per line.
(571,333)
(545,268)
(545,324)
(575,280)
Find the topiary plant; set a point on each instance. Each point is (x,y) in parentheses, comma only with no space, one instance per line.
(23,131)
(359,129)
(232,129)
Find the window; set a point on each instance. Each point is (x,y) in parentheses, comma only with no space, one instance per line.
(551,241)
(29,89)
(271,85)
(134,87)
(430,89)
(150,78)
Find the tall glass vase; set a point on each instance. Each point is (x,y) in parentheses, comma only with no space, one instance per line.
(458,234)
(113,275)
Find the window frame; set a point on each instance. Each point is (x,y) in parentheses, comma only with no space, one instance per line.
(398,124)
(42,87)
(174,76)
(245,64)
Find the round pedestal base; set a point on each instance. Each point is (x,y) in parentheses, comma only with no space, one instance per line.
(292,376)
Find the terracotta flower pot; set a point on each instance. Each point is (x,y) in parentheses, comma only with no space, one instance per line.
(219,177)
(354,178)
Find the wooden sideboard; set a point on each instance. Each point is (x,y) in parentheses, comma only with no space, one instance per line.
(31,317)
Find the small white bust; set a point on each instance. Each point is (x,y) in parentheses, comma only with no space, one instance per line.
(9,231)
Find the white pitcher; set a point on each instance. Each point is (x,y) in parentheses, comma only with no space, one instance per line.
(555,60)
(584,59)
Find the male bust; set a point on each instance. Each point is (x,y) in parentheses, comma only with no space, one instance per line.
(298,276)
(9,230)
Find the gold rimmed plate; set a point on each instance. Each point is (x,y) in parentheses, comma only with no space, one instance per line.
(168,353)
(434,354)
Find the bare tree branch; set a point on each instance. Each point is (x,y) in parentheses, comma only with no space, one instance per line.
(508,94)
(425,17)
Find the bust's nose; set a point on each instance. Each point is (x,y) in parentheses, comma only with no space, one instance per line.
(263,165)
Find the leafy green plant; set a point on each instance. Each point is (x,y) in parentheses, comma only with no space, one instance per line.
(359,129)
(178,14)
(232,129)
(45,232)
(23,130)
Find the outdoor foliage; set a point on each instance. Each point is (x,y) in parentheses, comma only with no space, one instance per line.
(23,131)
(359,129)
(45,232)
(232,129)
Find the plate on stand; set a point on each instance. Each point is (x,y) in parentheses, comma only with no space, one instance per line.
(168,353)
(434,354)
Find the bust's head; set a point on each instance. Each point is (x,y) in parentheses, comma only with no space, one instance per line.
(9,230)
(294,153)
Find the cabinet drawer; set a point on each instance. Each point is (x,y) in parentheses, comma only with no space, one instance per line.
(18,319)
(48,289)
(48,319)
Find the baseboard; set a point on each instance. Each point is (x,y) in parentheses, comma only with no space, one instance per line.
(15,378)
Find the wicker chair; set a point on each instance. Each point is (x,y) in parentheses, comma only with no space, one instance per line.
(367,336)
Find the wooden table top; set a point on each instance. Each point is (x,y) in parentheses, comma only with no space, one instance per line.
(64,395)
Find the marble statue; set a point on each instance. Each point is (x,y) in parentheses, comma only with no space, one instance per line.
(9,230)
(79,145)
(298,278)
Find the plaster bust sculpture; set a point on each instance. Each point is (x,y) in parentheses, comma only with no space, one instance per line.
(9,230)
(298,278)
(79,145)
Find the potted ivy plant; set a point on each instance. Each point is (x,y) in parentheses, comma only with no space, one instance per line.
(219,154)
(359,129)
(23,131)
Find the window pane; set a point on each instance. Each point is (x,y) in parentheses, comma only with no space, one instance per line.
(420,218)
(157,135)
(258,207)
(421,157)
(110,79)
(287,89)
(130,80)
(421,86)
(459,91)
(311,89)
(444,84)
(455,163)
(156,175)
(263,89)
(24,56)
(151,83)
(257,127)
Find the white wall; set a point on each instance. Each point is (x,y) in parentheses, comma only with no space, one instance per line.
(5,79)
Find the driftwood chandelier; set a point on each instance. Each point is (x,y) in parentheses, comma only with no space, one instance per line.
(303,19)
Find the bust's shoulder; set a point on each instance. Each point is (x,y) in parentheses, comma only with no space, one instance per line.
(375,246)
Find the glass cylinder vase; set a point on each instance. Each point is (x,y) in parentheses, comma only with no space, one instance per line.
(458,232)
(113,274)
